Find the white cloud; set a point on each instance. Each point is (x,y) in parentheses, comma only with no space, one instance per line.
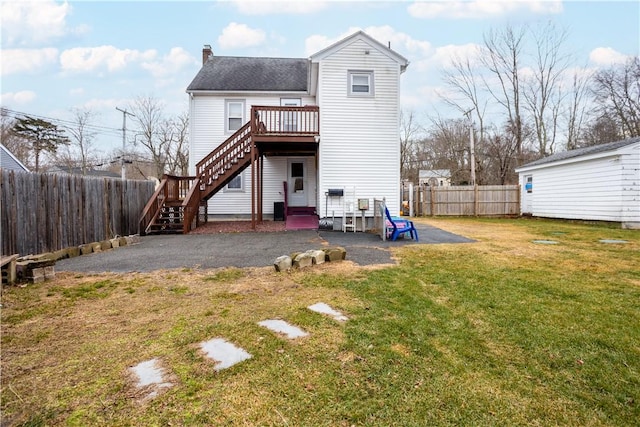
(28,23)
(177,59)
(605,56)
(27,60)
(17,98)
(86,59)
(481,9)
(79,91)
(236,36)
(292,7)
(445,55)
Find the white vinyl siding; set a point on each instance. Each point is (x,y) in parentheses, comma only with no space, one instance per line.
(605,187)
(359,135)
(208,130)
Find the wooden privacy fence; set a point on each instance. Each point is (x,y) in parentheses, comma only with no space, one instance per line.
(479,200)
(47,212)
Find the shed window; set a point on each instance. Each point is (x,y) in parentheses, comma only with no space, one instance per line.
(361,83)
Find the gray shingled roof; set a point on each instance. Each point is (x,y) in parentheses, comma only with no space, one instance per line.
(594,149)
(230,73)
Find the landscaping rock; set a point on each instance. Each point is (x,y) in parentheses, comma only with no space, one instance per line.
(133,239)
(115,243)
(96,247)
(282,263)
(302,260)
(86,249)
(122,241)
(105,245)
(335,254)
(317,256)
(73,252)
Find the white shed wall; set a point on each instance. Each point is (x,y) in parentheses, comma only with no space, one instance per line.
(606,188)
(359,136)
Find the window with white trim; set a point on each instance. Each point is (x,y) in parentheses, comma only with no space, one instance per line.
(360,83)
(236,184)
(234,115)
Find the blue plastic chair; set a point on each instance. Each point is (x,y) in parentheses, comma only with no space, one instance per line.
(397,226)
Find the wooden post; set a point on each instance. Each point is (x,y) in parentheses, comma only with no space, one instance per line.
(253,185)
(476,202)
(433,200)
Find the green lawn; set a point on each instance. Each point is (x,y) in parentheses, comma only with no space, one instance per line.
(499,332)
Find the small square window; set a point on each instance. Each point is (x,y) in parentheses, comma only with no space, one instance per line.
(235,184)
(361,83)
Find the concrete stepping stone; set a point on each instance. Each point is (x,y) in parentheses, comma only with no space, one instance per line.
(613,241)
(326,309)
(151,374)
(284,328)
(224,353)
(545,242)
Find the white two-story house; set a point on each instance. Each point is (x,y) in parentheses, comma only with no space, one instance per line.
(306,133)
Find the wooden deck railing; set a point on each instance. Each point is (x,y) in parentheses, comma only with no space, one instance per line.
(285,120)
(172,189)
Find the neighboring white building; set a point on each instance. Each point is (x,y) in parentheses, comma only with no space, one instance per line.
(10,162)
(435,177)
(601,183)
(355,86)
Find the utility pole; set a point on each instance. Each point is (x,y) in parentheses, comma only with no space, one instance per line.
(124,137)
(472,148)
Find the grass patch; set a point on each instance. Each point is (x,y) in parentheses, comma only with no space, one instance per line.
(499,332)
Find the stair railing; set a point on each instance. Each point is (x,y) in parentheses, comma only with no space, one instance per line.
(153,207)
(214,168)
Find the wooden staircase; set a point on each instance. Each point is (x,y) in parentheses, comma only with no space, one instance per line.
(179,204)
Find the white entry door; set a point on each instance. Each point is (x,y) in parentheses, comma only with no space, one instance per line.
(297,182)
(289,119)
(527,195)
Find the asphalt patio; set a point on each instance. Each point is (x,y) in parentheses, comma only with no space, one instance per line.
(250,249)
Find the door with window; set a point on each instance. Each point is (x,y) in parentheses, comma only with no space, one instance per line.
(289,119)
(297,182)
(527,195)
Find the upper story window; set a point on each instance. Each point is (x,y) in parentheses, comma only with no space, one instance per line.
(361,83)
(234,115)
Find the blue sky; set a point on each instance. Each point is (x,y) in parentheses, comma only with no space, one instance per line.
(100,55)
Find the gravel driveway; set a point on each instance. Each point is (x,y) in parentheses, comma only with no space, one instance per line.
(250,249)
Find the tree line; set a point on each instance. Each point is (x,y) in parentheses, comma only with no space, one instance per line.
(519,100)
(156,142)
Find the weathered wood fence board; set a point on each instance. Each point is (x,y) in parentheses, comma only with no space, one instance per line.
(46,212)
(479,200)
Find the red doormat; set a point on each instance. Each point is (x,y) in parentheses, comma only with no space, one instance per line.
(302,222)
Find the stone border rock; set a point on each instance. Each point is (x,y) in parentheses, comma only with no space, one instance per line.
(38,268)
(309,258)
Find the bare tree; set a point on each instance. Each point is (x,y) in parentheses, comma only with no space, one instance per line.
(617,91)
(409,133)
(502,55)
(447,147)
(576,109)
(542,90)
(175,134)
(149,117)
(82,137)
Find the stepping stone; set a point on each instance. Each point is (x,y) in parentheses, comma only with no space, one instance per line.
(546,242)
(223,352)
(613,241)
(326,309)
(282,327)
(150,373)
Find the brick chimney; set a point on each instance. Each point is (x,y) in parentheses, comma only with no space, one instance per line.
(206,53)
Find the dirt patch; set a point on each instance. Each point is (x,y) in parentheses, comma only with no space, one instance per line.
(213,227)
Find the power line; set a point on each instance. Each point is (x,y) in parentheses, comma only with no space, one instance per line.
(103,130)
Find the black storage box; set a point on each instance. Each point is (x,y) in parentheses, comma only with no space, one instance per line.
(278,211)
